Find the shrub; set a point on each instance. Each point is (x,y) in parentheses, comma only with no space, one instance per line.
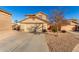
(63,31)
(54,30)
(44,30)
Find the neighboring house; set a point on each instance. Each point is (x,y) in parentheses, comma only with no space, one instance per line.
(5,20)
(70,26)
(35,22)
(15,26)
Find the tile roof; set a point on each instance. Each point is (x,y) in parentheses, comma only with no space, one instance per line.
(5,12)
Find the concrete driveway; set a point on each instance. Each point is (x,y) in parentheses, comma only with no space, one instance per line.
(12,41)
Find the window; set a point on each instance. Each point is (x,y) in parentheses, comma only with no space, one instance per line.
(40,16)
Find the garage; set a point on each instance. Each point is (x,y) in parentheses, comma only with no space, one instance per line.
(32,27)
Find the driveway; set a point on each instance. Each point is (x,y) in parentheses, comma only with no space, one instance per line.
(13,41)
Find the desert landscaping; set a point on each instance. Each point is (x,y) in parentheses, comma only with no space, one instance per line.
(62,42)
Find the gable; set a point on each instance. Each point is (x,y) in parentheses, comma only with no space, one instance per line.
(41,15)
(35,18)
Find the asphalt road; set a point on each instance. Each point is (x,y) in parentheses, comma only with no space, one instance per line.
(12,41)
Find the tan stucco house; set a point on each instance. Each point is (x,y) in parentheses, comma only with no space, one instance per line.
(5,20)
(70,26)
(35,22)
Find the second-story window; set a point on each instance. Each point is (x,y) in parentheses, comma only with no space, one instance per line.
(40,16)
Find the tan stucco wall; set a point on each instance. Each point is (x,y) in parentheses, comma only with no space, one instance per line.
(43,16)
(5,21)
(67,28)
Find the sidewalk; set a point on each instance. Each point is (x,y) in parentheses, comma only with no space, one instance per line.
(5,34)
(76,49)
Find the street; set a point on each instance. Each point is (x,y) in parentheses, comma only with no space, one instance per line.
(14,41)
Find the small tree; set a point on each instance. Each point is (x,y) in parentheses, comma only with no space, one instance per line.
(16,21)
(57,19)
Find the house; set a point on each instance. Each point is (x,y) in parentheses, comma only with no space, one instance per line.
(5,20)
(70,26)
(35,22)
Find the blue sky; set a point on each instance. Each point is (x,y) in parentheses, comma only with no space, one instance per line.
(18,12)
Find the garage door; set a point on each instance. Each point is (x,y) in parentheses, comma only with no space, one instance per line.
(34,27)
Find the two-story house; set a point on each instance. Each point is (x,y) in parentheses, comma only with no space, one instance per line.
(35,22)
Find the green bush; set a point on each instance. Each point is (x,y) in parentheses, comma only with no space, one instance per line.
(54,30)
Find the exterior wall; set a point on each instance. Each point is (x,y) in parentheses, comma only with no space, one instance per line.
(67,28)
(45,26)
(40,15)
(23,27)
(31,20)
(5,21)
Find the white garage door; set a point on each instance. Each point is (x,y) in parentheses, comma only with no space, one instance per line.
(32,27)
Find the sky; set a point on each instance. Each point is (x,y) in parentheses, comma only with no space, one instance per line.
(19,12)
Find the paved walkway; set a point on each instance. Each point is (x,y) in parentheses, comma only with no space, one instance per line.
(76,48)
(23,42)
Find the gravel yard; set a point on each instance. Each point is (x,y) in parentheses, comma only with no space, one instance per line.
(64,42)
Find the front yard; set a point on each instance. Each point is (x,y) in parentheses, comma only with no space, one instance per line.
(64,42)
